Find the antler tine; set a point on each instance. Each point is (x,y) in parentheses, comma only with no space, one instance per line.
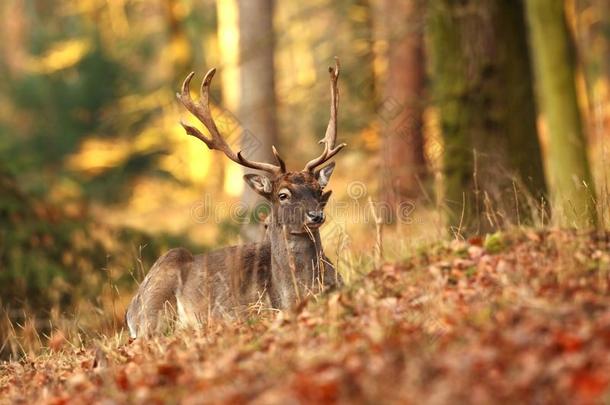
(280,161)
(330,138)
(201,110)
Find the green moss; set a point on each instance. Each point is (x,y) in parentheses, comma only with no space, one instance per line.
(494,243)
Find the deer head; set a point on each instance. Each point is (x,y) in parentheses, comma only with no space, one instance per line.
(297,198)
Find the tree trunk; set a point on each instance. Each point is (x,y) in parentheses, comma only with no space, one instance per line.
(517,97)
(483,90)
(257,108)
(402,104)
(228,47)
(448,67)
(568,174)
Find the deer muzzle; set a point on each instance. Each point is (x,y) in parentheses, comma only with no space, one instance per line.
(315,218)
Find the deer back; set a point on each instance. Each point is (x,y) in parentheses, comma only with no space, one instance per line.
(219,283)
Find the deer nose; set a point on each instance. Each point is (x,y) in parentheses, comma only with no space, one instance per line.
(315,217)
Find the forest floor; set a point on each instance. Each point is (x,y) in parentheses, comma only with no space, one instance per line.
(517,317)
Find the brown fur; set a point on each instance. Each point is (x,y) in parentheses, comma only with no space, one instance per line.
(289,265)
(217,283)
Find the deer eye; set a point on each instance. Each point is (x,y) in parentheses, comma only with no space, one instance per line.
(283,195)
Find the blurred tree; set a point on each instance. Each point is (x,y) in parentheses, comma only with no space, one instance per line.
(591,33)
(228,50)
(257,107)
(517,95)
(14,31)
(448,66)
(401,111)
(483,90)
(358,20)
(72,75)
(180,48)
(571,186)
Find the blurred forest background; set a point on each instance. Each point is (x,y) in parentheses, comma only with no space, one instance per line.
(461,118)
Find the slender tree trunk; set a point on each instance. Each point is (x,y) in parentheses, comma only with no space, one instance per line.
(568,174)
(257,109)
(228,44)
(484,93)
(402,103)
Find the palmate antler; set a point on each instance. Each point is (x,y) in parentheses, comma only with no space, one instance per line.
(330,138)
(201,110)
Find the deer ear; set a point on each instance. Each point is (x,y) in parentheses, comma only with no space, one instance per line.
(323,175)
(261,184)
(324,199)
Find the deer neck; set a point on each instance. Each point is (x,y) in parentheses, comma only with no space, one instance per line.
(295,264)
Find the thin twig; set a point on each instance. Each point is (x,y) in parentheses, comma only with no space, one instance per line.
(378,251)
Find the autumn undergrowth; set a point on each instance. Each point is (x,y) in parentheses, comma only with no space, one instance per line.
(519,316)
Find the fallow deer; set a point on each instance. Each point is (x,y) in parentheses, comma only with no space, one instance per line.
(282,270)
